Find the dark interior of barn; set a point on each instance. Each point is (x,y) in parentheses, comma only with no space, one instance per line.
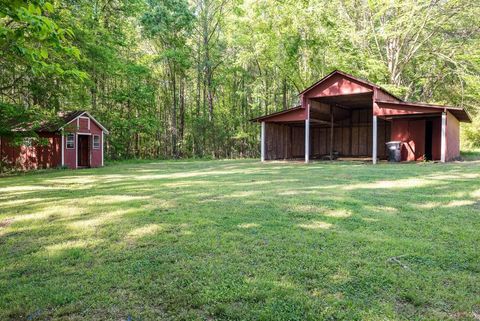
(340,127)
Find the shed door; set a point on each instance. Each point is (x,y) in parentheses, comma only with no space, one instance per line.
(83,150)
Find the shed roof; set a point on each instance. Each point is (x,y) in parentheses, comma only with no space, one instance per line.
(58,123)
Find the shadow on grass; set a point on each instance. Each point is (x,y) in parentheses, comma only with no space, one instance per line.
(241,240)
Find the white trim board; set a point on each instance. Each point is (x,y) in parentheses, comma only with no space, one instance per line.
(62,137)
(374,139)
(102,145)
(443,138)
(262,142)
(76,151)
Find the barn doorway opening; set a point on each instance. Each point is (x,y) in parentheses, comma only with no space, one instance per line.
(83,151)
(428,140)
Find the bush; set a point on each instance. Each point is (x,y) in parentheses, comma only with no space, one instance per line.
(471,134)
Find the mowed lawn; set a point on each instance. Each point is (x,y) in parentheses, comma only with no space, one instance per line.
(241,240)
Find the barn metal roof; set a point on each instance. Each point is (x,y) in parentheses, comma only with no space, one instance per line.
(286,111)
(460,113)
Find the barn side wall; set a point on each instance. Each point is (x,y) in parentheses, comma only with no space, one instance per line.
(453,137)
(33,157)
(437,138)
(284,141)
(411,132)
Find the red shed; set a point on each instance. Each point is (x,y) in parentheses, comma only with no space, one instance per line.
(77,143)
(345,116)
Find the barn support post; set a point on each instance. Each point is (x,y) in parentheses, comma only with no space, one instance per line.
(262,142)
(443,148)
(331,132)
(374,139)
(307,135)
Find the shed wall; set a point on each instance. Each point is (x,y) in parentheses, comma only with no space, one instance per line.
(70,155)
(96,154)
(84,124)
(35,156)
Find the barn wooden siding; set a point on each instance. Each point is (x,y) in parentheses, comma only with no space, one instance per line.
(352,138)
(453,137)
(411,132)
(284,141)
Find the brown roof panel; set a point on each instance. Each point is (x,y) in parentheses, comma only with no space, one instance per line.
(278,113)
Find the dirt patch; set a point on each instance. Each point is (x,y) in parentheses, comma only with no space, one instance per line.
(6,222)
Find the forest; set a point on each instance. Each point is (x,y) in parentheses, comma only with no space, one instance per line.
(182,78)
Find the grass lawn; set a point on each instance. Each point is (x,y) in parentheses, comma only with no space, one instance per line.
(241,240)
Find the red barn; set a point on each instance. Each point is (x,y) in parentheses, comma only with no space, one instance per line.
(342,115)
(77,143)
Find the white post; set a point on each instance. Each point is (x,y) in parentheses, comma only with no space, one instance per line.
(374,139)
(443,148)
(63,151)
(262,143)
(76,148)
(102,145)
(307,135)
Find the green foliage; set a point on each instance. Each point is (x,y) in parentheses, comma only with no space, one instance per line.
(471,134)
(180,78)
(17,124)
(30,37)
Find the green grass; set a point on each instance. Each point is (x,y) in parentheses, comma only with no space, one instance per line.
(471,154)
(241,240)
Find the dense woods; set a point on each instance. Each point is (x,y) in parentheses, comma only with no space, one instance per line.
(179,78)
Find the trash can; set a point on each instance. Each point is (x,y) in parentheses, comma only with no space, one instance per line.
(394,151)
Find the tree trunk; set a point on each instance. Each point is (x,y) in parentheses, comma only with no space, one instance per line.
(174,112)
(182,110)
